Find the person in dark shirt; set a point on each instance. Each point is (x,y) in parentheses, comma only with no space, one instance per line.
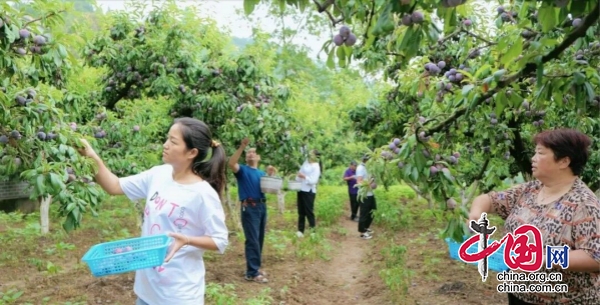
(253,209)
(350,178)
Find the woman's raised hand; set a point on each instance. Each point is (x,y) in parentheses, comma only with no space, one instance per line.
(87,150)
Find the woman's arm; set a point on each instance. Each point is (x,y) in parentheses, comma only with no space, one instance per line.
(481,204)
(498,202)
(105,178)
(216,235)
(586,236)
(581,261)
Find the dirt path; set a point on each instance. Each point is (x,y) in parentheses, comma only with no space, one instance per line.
(348,278)
(347,272)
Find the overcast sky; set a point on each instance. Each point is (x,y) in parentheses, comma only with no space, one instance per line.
(224,12)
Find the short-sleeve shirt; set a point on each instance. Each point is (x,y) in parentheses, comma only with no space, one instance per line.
(361,171)
(248,180)
(191,209)
(573,220)
(352,182)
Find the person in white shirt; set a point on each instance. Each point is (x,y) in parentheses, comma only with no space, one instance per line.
(368,204)
(309,175)
(183,200)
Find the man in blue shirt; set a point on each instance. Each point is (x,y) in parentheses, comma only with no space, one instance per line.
(350,178)
(253,208)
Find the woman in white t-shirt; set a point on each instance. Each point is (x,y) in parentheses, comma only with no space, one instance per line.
(309,175)
(182,200)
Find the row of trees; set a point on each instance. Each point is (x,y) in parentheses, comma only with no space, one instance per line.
(120,79)
(470,89)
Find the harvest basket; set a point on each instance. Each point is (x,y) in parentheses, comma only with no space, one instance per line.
(127,255)
(495,261)
(270,184)
(292,184)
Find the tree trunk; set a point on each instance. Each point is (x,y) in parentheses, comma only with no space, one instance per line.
(281,201)
(232,211)
(518,150)
(45,214)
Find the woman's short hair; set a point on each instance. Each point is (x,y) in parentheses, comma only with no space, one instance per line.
(566,142)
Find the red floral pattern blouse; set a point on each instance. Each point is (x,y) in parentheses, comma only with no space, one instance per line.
(573,220)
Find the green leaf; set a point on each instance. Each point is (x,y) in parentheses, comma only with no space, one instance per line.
(325,45)
(501,102)
(415,173)
(450,20)
(56,182)
(547,16)
(69,223)
(590,91)
(577,8)
(341,55)
(62,51)
(540,73)
(513,52)
(466,89)
(384,23)
(579,78)
(498,74)
(39,185)
(330,62)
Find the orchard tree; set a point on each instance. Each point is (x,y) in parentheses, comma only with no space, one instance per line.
(320,96)
(470,90)
(36,142)
(184,66)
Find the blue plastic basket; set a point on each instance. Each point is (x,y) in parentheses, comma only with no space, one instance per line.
(495,261)
(127,255)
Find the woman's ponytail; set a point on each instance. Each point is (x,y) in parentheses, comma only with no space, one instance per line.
(197,135)
(213,170)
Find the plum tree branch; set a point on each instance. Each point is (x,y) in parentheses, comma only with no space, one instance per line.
(528,69)
(450,36)
(483,169)
(43,17)
(323,8)
(489,43)
(369,20)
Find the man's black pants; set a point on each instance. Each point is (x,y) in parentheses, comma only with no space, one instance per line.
(306,209)
(367,206)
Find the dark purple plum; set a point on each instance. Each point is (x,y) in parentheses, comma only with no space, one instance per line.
(351,40)
(344,31)
(451,204)
(338,40)
(417,17)
(15,135)
(407,20)
(24,33)
(39,40)
(433,170)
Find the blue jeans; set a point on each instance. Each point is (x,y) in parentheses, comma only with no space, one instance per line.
(254,220)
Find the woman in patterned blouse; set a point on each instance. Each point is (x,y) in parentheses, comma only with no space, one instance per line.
(565,210)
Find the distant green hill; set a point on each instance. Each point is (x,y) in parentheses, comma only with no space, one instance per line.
(241,42)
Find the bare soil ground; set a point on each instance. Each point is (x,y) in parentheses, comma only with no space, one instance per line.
(350,276)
